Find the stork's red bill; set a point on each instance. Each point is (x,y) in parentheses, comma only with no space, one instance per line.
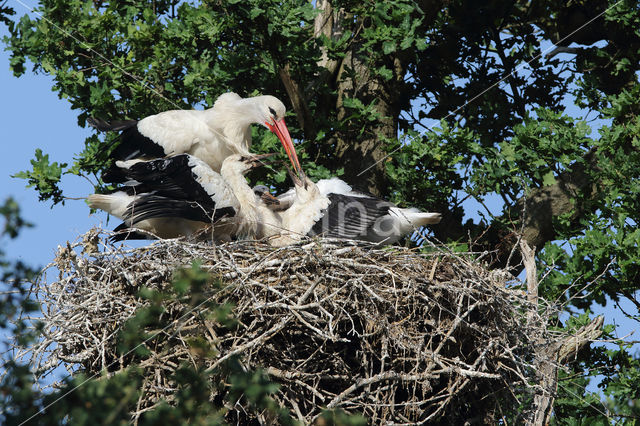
(279,128)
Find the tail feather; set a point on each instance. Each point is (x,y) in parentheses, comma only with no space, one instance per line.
(415,217)
(113,126)
(115,203)
(422,219)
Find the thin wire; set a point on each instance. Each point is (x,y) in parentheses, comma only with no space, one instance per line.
(518,68)
(86,46)
(566,389)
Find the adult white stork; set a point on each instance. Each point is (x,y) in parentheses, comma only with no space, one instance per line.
(211,135)
(351,214)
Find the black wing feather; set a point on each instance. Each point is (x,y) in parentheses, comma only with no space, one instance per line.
(134,144)
(150,206)
(113,126)
(171,177)
(128,145)
(349,217)
(124,232)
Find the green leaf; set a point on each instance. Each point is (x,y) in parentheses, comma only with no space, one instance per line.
(44,176)
(548,179)
(388,47)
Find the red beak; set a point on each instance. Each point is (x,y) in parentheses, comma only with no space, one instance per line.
(282,132)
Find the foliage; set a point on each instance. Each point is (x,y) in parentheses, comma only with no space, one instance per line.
(14,275)
(5,12)
(45,177)
(14,304)
(433,104)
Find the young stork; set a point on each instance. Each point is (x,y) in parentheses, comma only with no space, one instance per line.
(211,135)
(258,220)
(353,215)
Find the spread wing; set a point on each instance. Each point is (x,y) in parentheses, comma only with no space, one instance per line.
(179,186)
(349,217)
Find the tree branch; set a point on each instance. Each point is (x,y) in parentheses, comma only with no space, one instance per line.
(299,102)
(551,354)
(541,206)
(509,70)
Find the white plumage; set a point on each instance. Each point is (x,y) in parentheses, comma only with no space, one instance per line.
(182,196)
(210,135)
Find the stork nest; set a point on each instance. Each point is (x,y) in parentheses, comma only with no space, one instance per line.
(395,334)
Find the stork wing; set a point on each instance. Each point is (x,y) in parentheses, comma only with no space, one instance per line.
(349,217)
(110,126)
(166,133)
(177,131)
(181,177)
(149,206)
(129,144)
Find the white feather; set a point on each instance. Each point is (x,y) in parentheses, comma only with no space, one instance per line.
(213,134)
(114,204)
(213,183)
(334,185)
(128,163)
(306,209)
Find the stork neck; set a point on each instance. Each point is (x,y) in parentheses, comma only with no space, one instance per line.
(233,121)
(260,221)
(238,184)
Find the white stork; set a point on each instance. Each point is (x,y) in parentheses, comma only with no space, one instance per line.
(351,214)
(258,220)
(210,135)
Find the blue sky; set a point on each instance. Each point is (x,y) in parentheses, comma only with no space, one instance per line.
(32,116)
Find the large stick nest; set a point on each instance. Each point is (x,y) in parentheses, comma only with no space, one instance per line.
(396,335)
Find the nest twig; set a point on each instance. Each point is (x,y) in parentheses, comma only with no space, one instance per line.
(396,335)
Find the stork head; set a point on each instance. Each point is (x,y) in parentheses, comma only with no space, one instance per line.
(273,111)
(239,164)
(264,193)
(271,108)
(306,190)
(260,189)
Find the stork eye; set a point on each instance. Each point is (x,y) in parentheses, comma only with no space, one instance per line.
(272,111)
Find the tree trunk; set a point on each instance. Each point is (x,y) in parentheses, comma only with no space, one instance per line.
(361,150)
